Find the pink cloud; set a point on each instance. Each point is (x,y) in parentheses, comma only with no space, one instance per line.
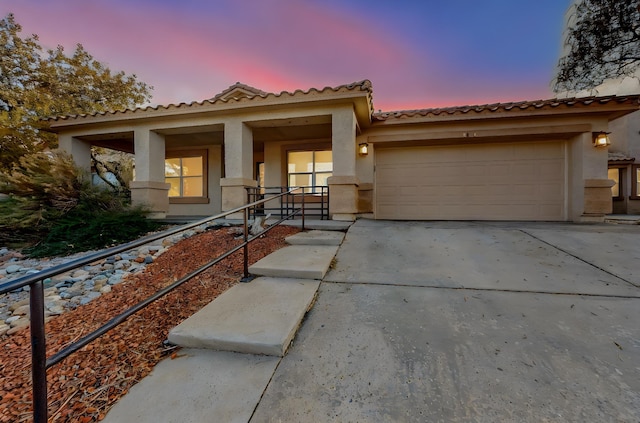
(194,50)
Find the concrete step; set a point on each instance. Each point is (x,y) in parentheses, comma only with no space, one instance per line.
(297,261)
(197,386)
(316,238)
(259,317)
(325,225)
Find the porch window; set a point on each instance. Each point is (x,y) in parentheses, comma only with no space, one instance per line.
(614,175)
(635,182)
(186,172)
(309,168)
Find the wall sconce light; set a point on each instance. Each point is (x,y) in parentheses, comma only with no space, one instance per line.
(601,139)
(363,149)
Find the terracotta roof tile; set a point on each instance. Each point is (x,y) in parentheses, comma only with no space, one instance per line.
(498,107)
(620,157)
(364,85)
(238,85)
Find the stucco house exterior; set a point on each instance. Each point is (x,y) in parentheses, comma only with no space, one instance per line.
(532,160)
(624,151)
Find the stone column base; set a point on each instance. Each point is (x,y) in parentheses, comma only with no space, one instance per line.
(597,200)
(234,195)
(343,197)
(152,195)
(365,198)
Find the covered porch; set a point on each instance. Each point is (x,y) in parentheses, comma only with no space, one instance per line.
(201,159)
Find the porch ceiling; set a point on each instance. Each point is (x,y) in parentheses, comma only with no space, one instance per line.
(292,129)
(122,141)
(302,128)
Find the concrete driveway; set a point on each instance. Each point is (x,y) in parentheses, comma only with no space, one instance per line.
(469,322)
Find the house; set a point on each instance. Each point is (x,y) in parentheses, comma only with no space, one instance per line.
(624,149)
(532,160)
(623,168)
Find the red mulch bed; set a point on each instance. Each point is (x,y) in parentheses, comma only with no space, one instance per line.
(86,384)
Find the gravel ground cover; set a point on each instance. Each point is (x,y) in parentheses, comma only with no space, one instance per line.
(85,385)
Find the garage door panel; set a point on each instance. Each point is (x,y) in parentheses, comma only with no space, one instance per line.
(517,181)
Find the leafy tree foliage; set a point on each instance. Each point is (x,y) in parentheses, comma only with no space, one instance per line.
(603,39)
(51,204)
(36,84)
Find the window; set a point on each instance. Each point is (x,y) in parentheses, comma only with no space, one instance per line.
(635,182)
(616,190)
(185,171)
(309,168)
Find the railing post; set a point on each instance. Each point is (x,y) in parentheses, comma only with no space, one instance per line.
(246,244)
(38,352)
(303,208)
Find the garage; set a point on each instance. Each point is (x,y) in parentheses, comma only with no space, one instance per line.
(523,181)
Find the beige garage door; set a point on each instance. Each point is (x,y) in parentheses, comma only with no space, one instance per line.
(502,181)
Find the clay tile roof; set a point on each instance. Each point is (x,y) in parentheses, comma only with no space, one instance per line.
(620,157)
(500,107)
(247,89)
(249,93)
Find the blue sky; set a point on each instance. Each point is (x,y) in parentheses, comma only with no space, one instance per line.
(417,54)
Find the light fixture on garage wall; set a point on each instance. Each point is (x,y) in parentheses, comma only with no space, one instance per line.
(363,149)
(601,139)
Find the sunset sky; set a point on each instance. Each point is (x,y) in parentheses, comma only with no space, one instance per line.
(419,53)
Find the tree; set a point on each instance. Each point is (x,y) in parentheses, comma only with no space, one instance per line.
(36,84)
(603,42)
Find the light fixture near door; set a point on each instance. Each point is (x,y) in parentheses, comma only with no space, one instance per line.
(601,139)
(363,149)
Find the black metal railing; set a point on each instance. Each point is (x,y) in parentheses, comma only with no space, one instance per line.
(39,361)
(315,198)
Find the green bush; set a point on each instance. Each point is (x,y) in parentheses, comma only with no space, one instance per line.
(52,209)
(88,227)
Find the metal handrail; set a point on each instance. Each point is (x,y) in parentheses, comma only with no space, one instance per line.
(287,203)
(39,361)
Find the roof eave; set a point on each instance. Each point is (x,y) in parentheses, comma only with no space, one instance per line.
(358,93)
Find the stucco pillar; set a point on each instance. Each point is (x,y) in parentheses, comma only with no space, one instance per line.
(595,182)
(78,149)
(343,185)
(149,188)
(238,162)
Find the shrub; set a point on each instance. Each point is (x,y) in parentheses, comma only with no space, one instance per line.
(53,209)
(88,227)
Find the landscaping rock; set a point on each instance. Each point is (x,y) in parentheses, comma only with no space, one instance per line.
(14,268)
(68,290)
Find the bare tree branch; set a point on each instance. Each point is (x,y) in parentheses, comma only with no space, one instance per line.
(603,42)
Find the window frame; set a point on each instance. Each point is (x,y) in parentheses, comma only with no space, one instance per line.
(635,171)
(620,195)
(181,154)
(313,173)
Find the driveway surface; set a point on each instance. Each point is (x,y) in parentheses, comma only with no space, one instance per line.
(469,322)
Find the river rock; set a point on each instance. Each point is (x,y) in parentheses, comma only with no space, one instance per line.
(13,268)
(22,310)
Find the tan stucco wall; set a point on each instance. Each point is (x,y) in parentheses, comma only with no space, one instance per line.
(79,150)
(625,135)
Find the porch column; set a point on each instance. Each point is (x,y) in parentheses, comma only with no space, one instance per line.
(596,185)
(343,185)
(79,150)
(149,188)
(238,162)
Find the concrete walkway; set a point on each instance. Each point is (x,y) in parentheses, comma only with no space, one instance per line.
(234,344)
(441,322)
